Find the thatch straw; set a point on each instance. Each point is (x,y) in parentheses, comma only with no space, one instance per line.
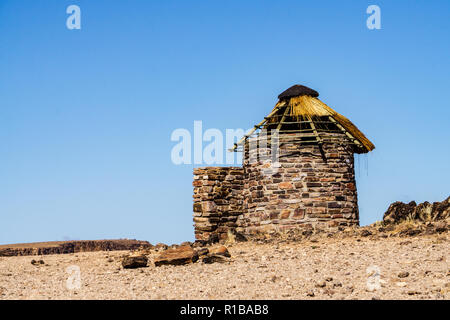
(308,106)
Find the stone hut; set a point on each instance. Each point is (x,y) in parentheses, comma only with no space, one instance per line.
(297,172)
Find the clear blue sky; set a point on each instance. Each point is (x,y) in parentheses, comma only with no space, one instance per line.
(86,115)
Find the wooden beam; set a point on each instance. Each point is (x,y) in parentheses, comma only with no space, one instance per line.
(282,118)
(300,122)
(257,127)
(345,131)
(313,127)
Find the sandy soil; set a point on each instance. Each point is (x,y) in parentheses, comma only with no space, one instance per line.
(409,268)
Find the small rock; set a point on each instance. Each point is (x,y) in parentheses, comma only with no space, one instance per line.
(329,292)
(329,279)
(403,274)
(37,262)
(365,233)
(307,233)
(212,258)
(411,232)
(221,251)
(179,256)
(132,262)
(310,293)
(401,284)
(413,292)
(321,284)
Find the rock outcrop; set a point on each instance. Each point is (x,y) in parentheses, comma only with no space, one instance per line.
(424,212)
(60,247)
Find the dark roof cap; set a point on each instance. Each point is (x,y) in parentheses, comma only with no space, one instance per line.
(297,90)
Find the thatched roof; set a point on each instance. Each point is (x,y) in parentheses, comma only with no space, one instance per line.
(299,112)
(313,109)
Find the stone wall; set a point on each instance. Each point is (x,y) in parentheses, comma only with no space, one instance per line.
(217,201)
(308,187)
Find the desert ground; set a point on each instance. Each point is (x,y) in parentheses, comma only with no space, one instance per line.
(320,267)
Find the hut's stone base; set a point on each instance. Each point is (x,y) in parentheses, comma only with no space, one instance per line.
(309,187)
(306,188)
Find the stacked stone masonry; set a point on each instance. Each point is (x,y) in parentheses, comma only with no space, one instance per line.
(309,186)
(217,201)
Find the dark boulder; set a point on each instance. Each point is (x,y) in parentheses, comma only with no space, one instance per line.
(399,211)
(136,261)
(177,256)
(215,258)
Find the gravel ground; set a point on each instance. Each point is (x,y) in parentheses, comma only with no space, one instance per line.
(408,268)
